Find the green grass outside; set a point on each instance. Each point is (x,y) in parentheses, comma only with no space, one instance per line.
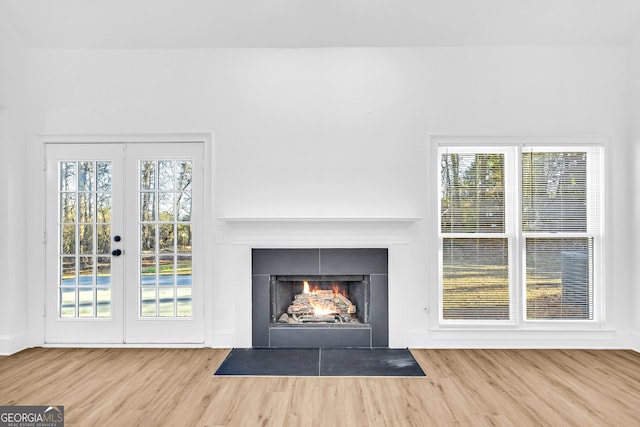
(471,291)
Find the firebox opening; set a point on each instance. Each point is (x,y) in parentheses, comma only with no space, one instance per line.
(319,300)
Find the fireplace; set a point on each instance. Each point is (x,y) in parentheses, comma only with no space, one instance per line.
(320,297)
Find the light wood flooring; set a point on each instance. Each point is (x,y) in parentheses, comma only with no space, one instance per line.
(176,387)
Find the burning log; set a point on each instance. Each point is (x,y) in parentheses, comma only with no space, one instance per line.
(319,306)
(343,302)
(284,318)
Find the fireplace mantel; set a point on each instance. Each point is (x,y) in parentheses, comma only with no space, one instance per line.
(319,219)
(238,233)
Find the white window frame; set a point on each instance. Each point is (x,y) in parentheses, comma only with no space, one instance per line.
(514,147)
(511,224)
(595,228)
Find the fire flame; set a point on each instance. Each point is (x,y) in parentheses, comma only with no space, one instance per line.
(322,309)
(319,309)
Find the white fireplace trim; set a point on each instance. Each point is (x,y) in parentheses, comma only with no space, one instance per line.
(240,267)
(319,219)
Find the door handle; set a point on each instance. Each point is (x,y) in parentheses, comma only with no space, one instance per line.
(116,252)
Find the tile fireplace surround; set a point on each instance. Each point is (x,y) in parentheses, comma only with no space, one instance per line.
(369,265)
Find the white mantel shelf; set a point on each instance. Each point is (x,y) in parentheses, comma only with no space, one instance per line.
(319,219)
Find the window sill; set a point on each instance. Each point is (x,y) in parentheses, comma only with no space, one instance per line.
(592,327)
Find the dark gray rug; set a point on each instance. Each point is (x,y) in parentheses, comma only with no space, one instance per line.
(342,362)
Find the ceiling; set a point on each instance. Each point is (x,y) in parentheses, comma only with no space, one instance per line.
(131,24)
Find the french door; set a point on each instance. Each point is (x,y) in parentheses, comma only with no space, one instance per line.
(124,243)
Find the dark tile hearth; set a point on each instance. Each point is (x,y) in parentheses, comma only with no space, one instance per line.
(374,362)
(270,362)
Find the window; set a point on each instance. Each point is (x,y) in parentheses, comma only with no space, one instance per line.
(519,233)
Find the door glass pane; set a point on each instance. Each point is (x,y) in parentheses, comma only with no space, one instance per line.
(103,180)
(67,302)
(85,207)
(184,176)
(148,302)
(85,238)
(166,302)
(184,238)
(68,239)
(147,175)
(85,176)
(104,271)
(85,303)
(84,234)
(148,270)
(166,206)
(165,238)
(68,176)
(104,239)
(103,207)
(85,270)
(165,278)
(184,271)
(147,206)
(103,300)
(148,238)
(166,179)
(184,282)
(68,207)
(183,298)
(183,195)
(68,271)
(167,271)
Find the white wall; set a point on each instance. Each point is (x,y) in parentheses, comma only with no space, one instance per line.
(13,130)
(634,80)
(344,133)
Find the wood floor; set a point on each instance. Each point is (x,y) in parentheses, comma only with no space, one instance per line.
(175,387)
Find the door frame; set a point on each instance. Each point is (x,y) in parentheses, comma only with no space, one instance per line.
(37,291)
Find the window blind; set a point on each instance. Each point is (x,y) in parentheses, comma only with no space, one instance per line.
(560,222)
(473,196)
(475,254)
(475,279)
(554,191)
(559,277)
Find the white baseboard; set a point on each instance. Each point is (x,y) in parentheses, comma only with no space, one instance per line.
(122,345)
(11,344)
(635,341)
(543,339)
(600,339)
